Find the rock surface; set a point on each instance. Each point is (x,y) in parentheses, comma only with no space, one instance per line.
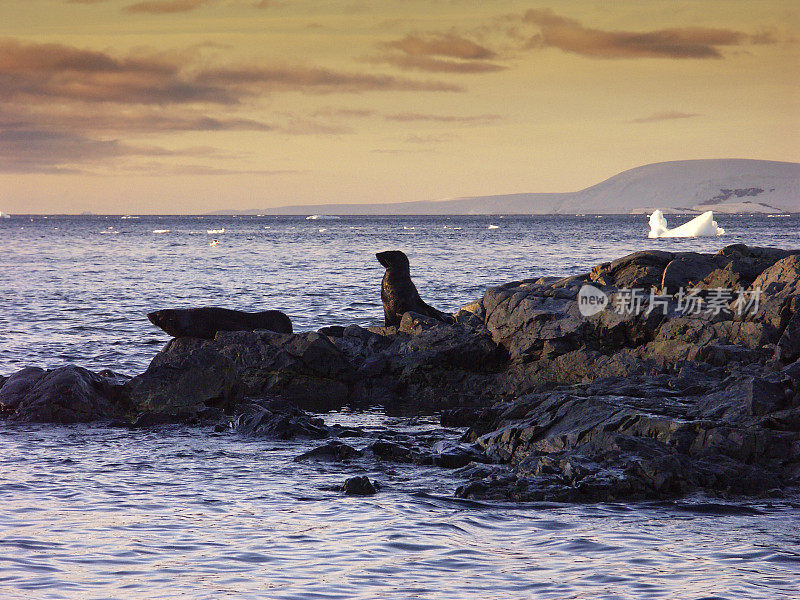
(64,395)
(688,384)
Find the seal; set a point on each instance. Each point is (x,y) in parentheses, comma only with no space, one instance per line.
(207,321)
(398,292)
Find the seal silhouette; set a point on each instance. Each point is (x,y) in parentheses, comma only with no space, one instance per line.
(205,322)
(398,292)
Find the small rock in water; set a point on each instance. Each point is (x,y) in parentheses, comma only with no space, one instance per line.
(336,451)
(359,486)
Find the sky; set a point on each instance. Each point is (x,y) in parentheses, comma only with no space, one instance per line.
(191,106)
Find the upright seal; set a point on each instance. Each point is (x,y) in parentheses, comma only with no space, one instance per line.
(398,292)
(207,321)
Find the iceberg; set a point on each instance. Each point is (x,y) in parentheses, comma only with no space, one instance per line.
(4,215)
(317,217)
(702,225)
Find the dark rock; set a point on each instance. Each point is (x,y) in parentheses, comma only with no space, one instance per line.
(359,486)
(332,331)
(65,395)
(452,455)
(279,422)
(333,451)
(643,269)
(780,280)
(393,452)
(187,376)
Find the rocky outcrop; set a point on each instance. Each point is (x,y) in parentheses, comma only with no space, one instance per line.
(687,379)
(647,438)
(65,395)
(423,366)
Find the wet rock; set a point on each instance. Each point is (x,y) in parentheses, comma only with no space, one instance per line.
(64,395)
(332,451)
(454,455)
(336,331)
(391,451)
(359,486)
(638,270)
(279,421)
(187,376)
(780,280)
(611,441)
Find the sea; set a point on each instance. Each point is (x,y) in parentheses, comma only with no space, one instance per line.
(94,512)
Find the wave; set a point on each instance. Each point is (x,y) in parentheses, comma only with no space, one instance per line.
(161,230)
(493,227)
(317,217)
(215,230)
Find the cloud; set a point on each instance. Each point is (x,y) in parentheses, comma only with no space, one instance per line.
(665,116)
(439,53)
(451,45)
(128,121)
(344,112)
(689,42)
(310,79)
(437,65)
(153,169)
(427,139)
(297,126)
(51,72)
(162,7)
(410,116)
(31,150)
(62,106)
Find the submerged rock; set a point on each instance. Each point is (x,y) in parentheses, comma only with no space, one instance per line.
(282,422)
(359,486)
(333,451)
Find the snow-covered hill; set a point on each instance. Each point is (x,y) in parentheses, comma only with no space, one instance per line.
(721,185)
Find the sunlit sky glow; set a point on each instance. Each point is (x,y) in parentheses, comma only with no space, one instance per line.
(176,106)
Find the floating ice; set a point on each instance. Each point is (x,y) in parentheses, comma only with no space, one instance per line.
(493,227)
(4,215)
(215,230)
(702,225)
(317,217)
(161,230)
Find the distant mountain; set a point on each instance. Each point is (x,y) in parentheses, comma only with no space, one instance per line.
(721,185)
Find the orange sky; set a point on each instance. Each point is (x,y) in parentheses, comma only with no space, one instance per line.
(189,106)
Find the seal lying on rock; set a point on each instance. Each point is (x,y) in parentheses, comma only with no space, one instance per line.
(398,293)
(207,321)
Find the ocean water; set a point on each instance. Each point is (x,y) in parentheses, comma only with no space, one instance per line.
(94,512)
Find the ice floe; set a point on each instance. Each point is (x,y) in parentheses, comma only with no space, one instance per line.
(702,225)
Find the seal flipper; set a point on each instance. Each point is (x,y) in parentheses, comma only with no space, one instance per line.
(437,314)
